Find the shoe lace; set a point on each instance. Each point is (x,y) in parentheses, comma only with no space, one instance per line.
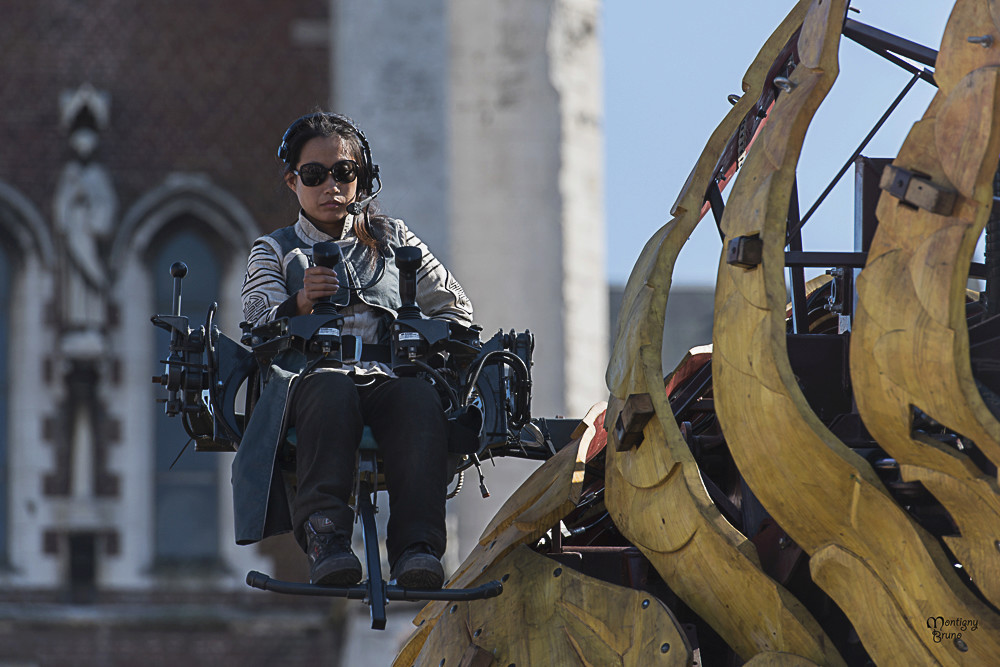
(329,540)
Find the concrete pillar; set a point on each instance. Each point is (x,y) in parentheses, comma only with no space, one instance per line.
(485,118)
(389,73)
(527,200)
(486,121)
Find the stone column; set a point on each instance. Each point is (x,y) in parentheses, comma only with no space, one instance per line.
(486,120)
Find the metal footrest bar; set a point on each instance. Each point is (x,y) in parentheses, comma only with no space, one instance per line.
(374,591)
(263,582)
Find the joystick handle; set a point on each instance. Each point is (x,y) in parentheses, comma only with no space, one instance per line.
(329,255)
(408,260)
(177,271)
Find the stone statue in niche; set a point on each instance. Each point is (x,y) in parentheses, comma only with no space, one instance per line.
(85,207)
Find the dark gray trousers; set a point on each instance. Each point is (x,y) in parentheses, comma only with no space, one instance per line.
(329,412)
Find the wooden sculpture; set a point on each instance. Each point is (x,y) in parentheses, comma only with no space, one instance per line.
(878,564)
(748,528)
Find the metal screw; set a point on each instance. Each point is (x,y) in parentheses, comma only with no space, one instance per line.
(961,645)
(477,632)
(454,608)
(505,577)
(784,83)
(645,603)
(784,542)
(733,99)
(997,545)
(557,572)
(664,648)
(985,41)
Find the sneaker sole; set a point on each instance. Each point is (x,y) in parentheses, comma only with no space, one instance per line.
(336,574)
(421,572)
(421,580)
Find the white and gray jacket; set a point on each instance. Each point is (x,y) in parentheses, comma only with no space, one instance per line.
(278,260)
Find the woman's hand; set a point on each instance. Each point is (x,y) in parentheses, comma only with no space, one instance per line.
(318,282)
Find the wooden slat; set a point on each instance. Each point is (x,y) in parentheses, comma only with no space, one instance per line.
(884,571)
(911,344)
(654,492)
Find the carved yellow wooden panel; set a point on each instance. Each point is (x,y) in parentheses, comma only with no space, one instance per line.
(910,349)
(883,570)
(552,615)
(910,346)
(654,492)
(548,495)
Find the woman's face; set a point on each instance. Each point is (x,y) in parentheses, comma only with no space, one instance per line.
(325,204)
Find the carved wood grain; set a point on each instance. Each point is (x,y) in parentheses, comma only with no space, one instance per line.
(655,493)
(911,344)
(826,497)
(549,614)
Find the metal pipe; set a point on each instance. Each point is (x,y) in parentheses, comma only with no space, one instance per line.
(874,39)
(714,197)
(376,593)
(992,258)
(855,154)
(263,582)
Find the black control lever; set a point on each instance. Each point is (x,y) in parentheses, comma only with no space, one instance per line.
(177,271)
(408,261)
(183,377)
(327,254)
(418,344)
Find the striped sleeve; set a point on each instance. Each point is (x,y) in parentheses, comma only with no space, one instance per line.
(439,294)
(264,284)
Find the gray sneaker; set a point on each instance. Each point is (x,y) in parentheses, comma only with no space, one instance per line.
(331,560)
(418,567)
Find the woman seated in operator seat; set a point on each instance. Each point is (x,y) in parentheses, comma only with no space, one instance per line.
(329,167)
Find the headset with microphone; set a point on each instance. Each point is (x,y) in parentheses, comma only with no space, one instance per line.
(368,179)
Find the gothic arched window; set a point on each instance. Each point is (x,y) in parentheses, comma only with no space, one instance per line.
(186,498)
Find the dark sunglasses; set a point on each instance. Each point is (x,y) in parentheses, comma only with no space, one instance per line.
(313,173)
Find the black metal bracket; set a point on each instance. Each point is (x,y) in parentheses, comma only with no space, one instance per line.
(917,190)
(745,251)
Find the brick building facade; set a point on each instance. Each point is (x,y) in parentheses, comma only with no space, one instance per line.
(133,135)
